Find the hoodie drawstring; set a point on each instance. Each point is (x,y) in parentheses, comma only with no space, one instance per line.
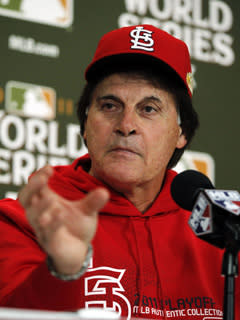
(139,257)
(137,224)
(156,262)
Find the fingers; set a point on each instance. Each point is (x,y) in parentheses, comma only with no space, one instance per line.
(34,186)
(94,201)
(59,219)
(45,208)
(55,218)
(48,223)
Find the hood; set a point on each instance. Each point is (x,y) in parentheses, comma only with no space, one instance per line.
(73,181)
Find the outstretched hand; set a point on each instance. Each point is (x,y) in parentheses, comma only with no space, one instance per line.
(63,228)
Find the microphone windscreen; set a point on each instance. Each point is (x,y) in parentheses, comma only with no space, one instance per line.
(186,186)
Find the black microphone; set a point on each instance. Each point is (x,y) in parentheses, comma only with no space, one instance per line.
(186,186)
(215,214)
(215,218)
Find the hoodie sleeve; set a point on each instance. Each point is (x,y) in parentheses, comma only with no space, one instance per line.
(25,281)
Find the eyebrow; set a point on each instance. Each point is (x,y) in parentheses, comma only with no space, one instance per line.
(109,97)
(117,99)
(150,98)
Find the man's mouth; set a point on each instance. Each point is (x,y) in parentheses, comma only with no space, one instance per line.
(122,150)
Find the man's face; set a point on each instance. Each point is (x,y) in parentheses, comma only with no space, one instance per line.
(131,132)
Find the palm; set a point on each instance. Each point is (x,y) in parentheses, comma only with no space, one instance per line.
(63,228)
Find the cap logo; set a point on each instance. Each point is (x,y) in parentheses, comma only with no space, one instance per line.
(142,39)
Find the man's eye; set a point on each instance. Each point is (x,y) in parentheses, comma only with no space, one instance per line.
(108,106)
(149,109)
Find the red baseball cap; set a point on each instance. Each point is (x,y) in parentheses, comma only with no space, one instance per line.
(147,44)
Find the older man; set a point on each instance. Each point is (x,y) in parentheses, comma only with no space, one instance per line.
(136,119)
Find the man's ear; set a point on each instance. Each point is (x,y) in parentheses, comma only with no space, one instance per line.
(85,137)
(182,141)
(85,124)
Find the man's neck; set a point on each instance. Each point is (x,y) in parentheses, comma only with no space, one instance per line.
(141,195)
(142,198)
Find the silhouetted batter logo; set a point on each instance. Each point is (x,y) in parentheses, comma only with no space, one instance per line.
(53,12)
(201,218)
(200,161)
(30,100)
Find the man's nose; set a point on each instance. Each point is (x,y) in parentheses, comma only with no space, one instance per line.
(126,123)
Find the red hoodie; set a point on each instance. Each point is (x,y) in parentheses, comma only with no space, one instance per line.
(147,265)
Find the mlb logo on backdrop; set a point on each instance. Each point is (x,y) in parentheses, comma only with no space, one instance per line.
(58,13)
(30,100)
(200,161)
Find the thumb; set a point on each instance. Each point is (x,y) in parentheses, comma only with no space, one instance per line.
(94,201)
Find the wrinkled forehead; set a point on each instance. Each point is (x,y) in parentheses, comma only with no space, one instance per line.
(135,77)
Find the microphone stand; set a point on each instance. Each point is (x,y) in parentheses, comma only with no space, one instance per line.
(230,270)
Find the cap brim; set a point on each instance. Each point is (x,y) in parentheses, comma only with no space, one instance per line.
(119,62)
